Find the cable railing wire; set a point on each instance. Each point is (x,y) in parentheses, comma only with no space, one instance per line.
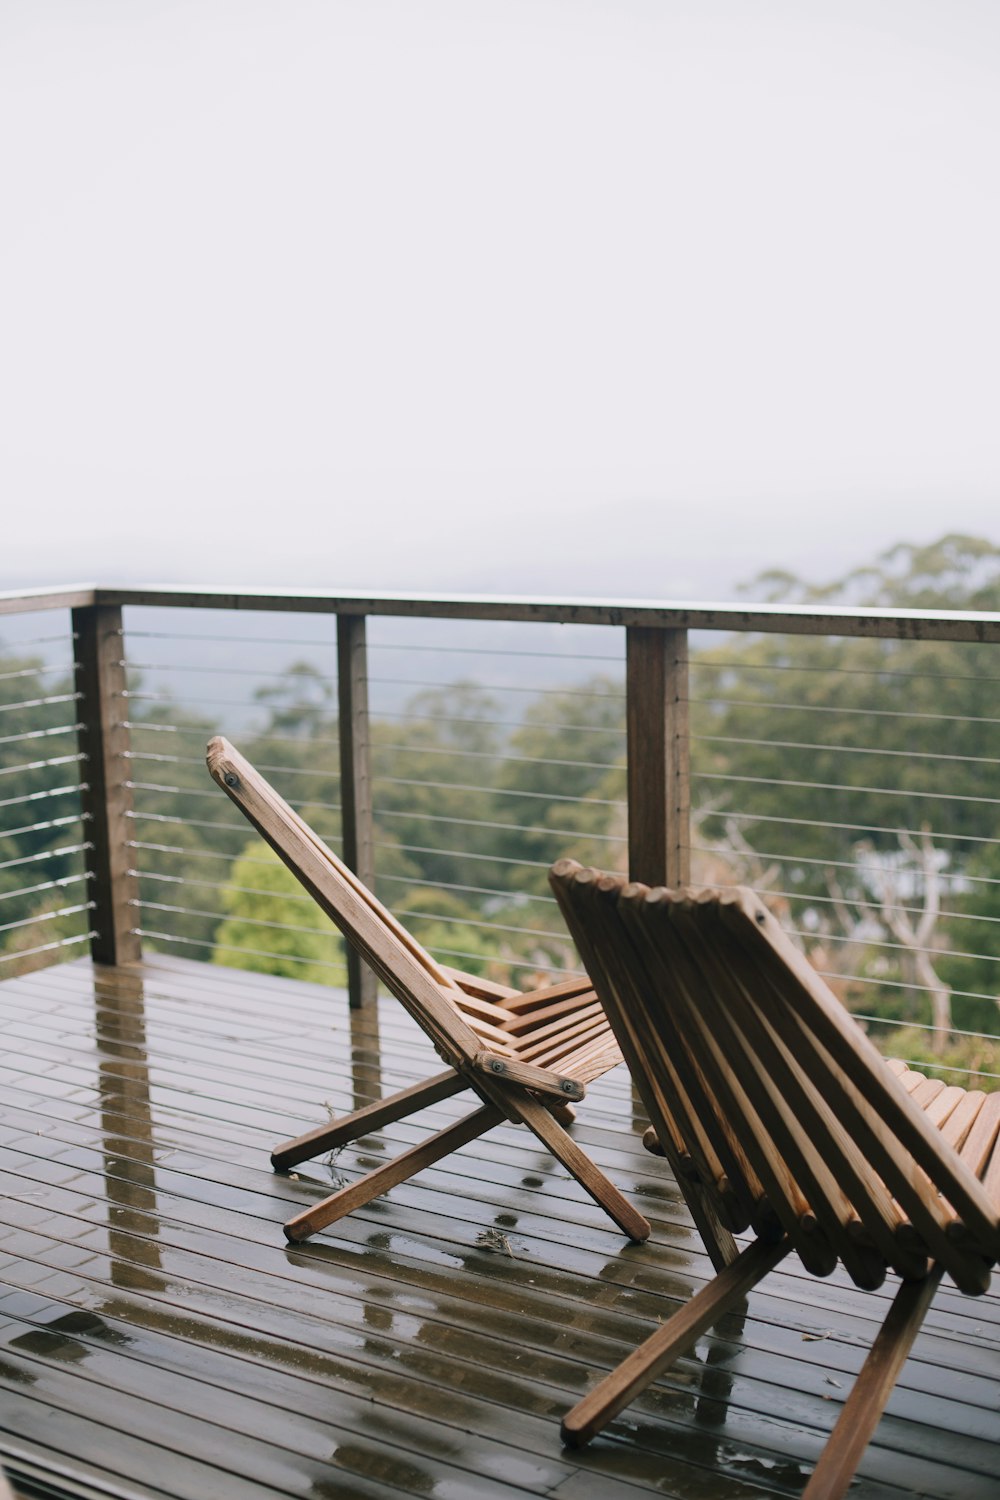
(453,786)
(330,643)
(41,765)
(498,687)
(134,696)
(500,757)
(7,708)
(32,859)
(501,652)
(270,736)
(189,853)
(44,885)
(835,786)
(885,945)
(873,981)
(809,898)
(39,734)
(880,672)
(152,817)
(472,890)
(907,754)
(47,916)
(43,668)
(55,791)
(482,925)
(41,640)
(938,835)
(169,937)
(514,724)
(284,675)
(496,859)
(21,953)
(903,1025)
(888,866)
(65,822)
(221,885)
(426,817)
(243,920)
(516,897)
(714,702)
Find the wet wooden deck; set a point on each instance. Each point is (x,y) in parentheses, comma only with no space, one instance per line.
(159,1338)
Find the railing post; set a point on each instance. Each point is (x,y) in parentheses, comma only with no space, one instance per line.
(357,818)
(659,815)
(107,797)
(659,766)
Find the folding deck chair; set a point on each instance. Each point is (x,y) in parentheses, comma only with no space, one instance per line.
(761,1087)
(528,1056)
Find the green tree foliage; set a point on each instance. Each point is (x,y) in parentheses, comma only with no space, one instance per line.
(838,759)
(40,814)
(272,927)
(564,782)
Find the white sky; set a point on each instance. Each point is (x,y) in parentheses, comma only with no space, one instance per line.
(613,298)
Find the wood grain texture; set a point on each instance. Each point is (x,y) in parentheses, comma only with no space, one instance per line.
(153,1324)
(106,796)
(659,771)
(864,1406)
(781,619)
(357,812)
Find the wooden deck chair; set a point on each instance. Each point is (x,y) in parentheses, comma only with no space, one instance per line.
(528,1056)
(761,1085)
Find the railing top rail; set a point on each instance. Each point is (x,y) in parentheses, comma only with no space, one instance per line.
(780,619)
(61,596)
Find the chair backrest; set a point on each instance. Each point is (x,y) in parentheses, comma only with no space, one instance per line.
(753,1073)
(407,969)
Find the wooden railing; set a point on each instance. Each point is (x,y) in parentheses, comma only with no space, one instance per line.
(658,753)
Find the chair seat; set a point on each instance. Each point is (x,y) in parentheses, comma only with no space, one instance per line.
(967,1119)
(562,1027)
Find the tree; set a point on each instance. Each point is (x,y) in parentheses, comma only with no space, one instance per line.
(272,926)
(859,766)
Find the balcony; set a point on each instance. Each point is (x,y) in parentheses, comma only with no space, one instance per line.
(172,1008)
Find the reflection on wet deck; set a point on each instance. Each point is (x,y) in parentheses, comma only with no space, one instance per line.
(158,1336)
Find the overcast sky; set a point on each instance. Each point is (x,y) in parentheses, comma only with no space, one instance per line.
(613,298)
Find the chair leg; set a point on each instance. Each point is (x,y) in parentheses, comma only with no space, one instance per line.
(564,1113)
(863,1408)
(374,1184)
(364,1121)
(668,1343)
(589,1176)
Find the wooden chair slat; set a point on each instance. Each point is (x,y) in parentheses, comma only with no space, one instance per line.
(991,1175)
(944,1104)
(854,1208)
(962,1118)
(684,1052)
(855,1055)
(979,1142)
(522,1003)
(482,989)
(748,1156)
(926,1092)
(667,1106)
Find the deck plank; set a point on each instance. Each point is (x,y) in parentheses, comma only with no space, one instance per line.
(152,1318)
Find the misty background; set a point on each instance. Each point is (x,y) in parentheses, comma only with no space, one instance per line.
(612,298)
